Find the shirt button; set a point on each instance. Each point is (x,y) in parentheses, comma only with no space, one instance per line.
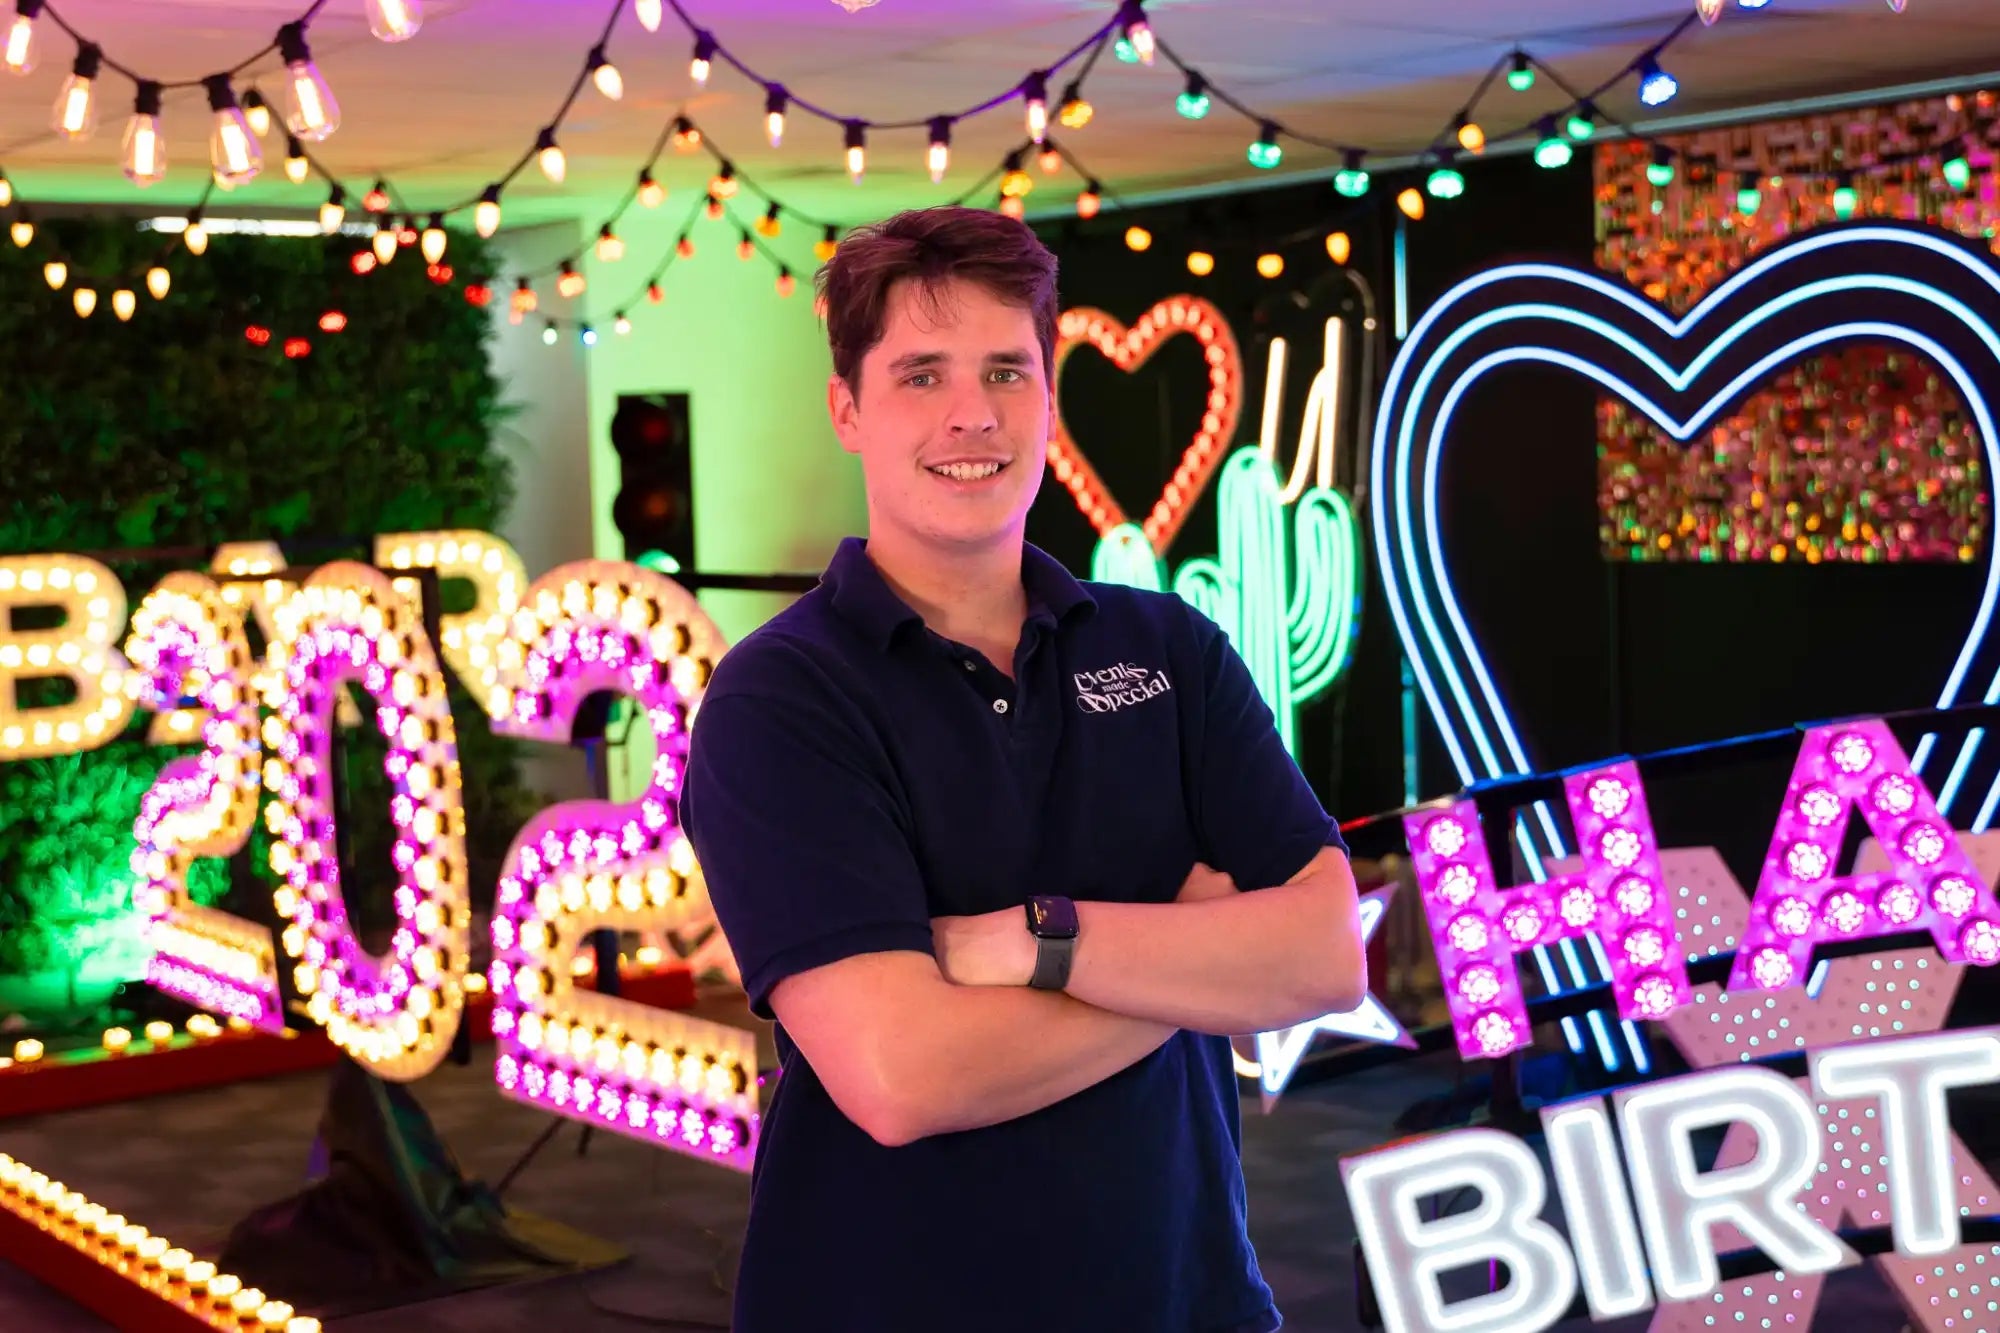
(999,705)
(971,665)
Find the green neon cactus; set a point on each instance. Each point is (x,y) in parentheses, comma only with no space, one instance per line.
(1289,607)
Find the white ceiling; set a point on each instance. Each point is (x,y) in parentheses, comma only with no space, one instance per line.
(445,112)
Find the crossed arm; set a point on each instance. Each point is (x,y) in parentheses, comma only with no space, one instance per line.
(970,1045)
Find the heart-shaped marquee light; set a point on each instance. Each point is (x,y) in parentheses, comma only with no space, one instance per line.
(1129,349)
(1933,293)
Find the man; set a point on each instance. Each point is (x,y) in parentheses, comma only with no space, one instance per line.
(957,813)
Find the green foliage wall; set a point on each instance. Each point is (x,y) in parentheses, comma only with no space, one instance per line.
(177,430)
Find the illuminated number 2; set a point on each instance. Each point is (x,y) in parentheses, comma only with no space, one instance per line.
(666,1078)
(395,1014)
(187,641)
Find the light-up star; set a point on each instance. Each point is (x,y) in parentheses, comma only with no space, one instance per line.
(1279,1053)
(1860,998)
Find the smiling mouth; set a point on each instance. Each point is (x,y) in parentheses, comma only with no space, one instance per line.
(967,471)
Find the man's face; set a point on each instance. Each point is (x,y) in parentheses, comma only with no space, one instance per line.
(952,421)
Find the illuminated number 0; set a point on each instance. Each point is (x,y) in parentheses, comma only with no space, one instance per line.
(666,1078)
(395,1014)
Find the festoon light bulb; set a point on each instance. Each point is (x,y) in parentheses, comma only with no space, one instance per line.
(605,74)
(75,113)
(857,150)
(649,14)
(22,50)
(195,236)
(939,156)
(233,153)
(486,213)
(550,154)
(434,239)
(310,109)
(395,20)
(334,211)
(145,150)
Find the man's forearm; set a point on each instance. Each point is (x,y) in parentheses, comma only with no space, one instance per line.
(1250,962)
(985,1054)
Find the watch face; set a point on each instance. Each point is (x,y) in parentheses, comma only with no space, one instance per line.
(1052,918)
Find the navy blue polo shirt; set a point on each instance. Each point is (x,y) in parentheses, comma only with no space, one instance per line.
(852,775)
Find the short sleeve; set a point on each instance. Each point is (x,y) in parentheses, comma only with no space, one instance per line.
(800,838)
(1256,817)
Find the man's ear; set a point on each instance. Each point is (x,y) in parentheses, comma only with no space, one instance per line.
(845,414)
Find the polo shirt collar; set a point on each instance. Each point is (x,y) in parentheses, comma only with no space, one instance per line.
(863,598)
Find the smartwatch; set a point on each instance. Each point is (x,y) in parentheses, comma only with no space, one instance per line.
(1052,921)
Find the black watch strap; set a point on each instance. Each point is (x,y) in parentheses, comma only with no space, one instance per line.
(1052,959)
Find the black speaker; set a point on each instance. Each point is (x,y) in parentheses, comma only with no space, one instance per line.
(654,509)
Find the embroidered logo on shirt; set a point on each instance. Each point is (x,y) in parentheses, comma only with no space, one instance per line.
(1118,687)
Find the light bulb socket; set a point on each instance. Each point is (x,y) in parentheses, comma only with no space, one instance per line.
(940,128)
(546,139)
(598,60)
(832,236)
(771,213)
(521,285)
(221,95)
(89,60)
(727,172)
(856,134)
(704,45)
(567,268)
(337,197)
(776,99)
(293,148)
(1197,86)
(28,9)
(147,100)
(1012,162)
(436,223)
(490,195)
(1267,132)
(1035,88)
(604,233)
(1353,159)
(292,48)
(1663,156)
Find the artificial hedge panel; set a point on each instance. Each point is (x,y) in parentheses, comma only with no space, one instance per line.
(183,429)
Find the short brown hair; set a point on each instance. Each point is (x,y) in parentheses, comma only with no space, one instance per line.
(932,246)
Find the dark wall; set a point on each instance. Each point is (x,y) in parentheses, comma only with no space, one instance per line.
(1596,658)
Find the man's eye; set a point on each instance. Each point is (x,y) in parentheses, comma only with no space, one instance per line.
(1012,376)
(913,381)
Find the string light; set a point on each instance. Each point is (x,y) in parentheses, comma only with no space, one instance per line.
(1076,110)
(620,325)
(334,211)
(75,114)
(857,150)
(1338,247)
(377,198)
(144,151)
(395,20)
(686,138)
(1660,171)
(1014,206)
(384,241)
(704,56)
(257,112)
(1551,149)
(233,153)
(769,225)
(123,303)
(1137,33)
(775,102)
(550,155)
(1958,172)
(159,282)
(85,300)
(722,185)
(648,12)
(609,248)
(23,231)
(826,245)
(570,283)
(55,273)
(1193,100)
(605,74)
(1470,137)
(1352,179)
(311,112)
(1014,182)
(1411,201)
(939,157)
(1090,201)
(1035,96)
(195,236)
(1270,266)
(713,207)
(655,293)
(549,334)
(22,49)
(435,239)
(1521,74)
(684,248)
(1748,197)
(746,248)
(297,167)
(1445,182)
(786,284)
(1582,122)
(651,193)
(1845,197)
(1656,86)
(587,336)
(1138,238)
(1200,263)
(1050,159)
(1265,153)
(486,213)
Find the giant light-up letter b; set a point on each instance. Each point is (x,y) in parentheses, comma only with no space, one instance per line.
(1478,927)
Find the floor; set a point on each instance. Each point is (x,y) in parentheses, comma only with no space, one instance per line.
(189,1166)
